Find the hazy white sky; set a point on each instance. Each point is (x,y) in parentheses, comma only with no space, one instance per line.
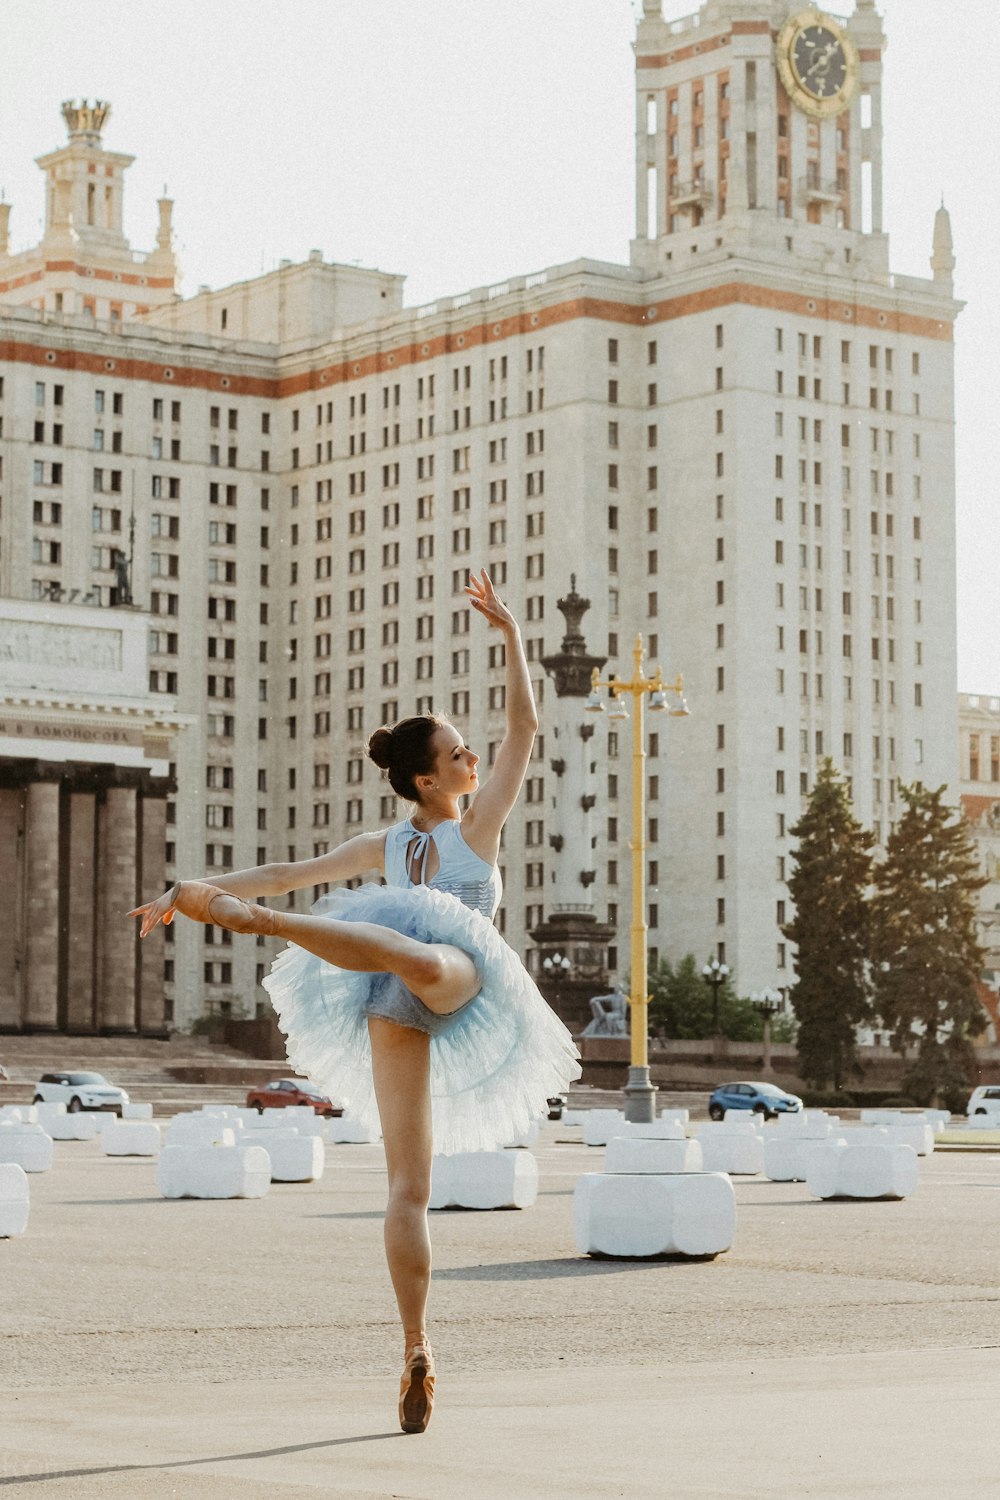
(462,141)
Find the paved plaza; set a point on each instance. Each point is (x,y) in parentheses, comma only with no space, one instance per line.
(249,1348)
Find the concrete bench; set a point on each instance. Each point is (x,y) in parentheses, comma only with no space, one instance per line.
(787,1160)
(27,1146)
(295,1157)
(79,1126)
(137,1111)
(686,1213)
(213,1171)
(807,1125)
(937,1119)
(131,1138)
(737,1148)
(868,1170)
(188,1130)
(913,1132)
(599,1125)
(14,1200)
(343,1131)
(24,1114)
(484,1180)
(676,1116)
(658,1157)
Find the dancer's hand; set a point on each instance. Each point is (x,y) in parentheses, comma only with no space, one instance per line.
(486,601)
(155,912)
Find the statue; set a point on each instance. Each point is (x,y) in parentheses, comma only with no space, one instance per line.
(610,1014)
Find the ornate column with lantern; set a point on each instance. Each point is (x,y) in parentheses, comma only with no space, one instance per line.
(571,942)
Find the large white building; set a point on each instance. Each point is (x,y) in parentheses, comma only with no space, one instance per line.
(741,444)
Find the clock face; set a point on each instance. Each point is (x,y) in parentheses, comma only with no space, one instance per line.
(818,63)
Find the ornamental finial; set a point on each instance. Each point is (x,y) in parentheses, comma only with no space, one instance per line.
(85,121)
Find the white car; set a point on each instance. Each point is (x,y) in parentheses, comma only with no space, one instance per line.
(984,1100)
(79,1091)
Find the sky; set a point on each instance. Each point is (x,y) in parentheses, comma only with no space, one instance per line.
(462,141)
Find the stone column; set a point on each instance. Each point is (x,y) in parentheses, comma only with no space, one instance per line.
(11,928)
(117,893)
(152,879)
(81,905)
(41,946)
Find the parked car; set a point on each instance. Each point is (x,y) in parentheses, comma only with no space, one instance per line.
(285,1091)
(80,1091)
(985,1100)
(763,1098)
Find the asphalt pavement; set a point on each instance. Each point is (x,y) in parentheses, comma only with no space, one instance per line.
(250,1348)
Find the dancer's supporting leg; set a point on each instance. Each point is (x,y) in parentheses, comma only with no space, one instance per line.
(401,1074)
(443,977)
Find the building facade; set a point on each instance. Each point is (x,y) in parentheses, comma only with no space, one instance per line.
(979,725)
(741,444)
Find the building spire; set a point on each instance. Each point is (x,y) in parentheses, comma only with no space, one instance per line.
(943,258)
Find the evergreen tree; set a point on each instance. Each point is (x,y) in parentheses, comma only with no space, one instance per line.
(829,886)
(926,952)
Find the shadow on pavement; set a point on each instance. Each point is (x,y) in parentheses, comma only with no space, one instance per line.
(184,1463)
(543,1270)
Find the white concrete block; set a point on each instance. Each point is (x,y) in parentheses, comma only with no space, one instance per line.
(739,1151)
(131,1138)
(660,1158)
(599,1125)
(875,1170)
(191,1130)
(938,1119)
(913,1132)
(213,1171)
(82,1125)
(807,1125)
(27,1146)
(527,1141)
(677,1116)
(343,1131)
(735,1121)
(295,1157)
(981,1122)
(573,1116)
(786,1158)
(688,1213)
(137,1111)
(14,1200)
(484,1180)
(654,1130)
(23,1114)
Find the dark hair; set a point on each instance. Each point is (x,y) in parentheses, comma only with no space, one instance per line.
(404,752)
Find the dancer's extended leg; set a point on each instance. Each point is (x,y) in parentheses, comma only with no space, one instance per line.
(442,976)
(401,1074)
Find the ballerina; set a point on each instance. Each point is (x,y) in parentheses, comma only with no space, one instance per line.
(402,999)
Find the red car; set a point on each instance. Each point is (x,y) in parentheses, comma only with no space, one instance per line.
(285,1091)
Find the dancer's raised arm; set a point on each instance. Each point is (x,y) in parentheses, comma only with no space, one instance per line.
(483,823)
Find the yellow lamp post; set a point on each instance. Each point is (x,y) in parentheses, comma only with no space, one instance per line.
(640,1095)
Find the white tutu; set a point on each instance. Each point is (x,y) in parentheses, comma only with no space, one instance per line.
(493,1065)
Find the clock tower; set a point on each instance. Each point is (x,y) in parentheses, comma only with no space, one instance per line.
(754,118)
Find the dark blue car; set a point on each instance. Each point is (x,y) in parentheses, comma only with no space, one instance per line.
(763,1098)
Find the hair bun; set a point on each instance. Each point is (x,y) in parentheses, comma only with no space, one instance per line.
(380,748)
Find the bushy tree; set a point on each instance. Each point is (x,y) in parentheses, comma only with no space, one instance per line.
(831,872)
(926,952)
(681,1006)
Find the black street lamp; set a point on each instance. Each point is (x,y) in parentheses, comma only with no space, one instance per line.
(715,974)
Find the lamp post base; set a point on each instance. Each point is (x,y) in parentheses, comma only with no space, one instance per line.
(640,1097)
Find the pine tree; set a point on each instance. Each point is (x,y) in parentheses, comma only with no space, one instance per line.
(926,951)
(829,886)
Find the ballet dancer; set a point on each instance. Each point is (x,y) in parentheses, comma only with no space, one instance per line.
(402,999)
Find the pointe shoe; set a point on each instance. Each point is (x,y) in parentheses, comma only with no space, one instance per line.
(206,903)
(416,1389)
